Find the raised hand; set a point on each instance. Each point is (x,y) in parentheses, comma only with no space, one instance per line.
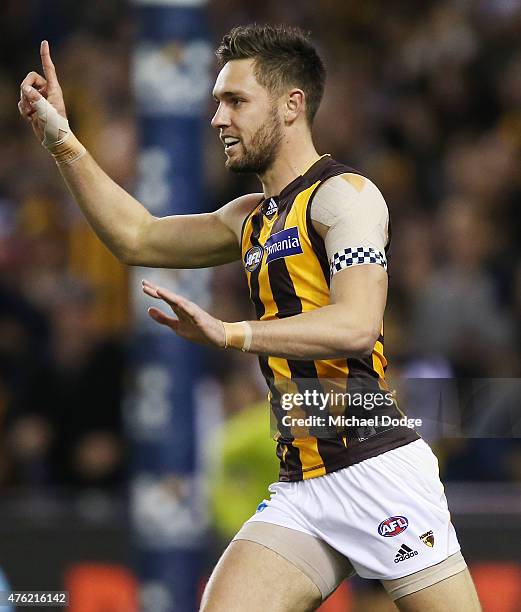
(48,126)
(192,323)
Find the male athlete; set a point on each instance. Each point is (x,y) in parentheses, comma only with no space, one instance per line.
(313,244)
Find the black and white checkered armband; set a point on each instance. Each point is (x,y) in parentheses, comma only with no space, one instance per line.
(356,256)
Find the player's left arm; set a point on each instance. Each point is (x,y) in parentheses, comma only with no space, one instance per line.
(351,215)
(347,327)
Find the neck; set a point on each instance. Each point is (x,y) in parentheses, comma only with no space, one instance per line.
(293,159)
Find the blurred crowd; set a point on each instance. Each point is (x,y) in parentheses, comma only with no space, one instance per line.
(423,98)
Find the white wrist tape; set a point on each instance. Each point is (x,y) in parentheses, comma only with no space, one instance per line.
(56,132)
(238,335)
(56,127)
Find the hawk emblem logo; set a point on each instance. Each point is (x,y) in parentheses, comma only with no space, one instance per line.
(428,539)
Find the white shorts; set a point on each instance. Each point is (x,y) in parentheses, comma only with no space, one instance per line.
(388,515)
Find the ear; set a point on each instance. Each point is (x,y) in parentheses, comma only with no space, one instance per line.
(295,105)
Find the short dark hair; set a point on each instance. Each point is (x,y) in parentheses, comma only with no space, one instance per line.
(284,57)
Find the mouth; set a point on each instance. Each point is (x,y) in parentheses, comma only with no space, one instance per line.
(230,142)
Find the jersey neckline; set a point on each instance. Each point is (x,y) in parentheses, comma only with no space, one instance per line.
(306,177)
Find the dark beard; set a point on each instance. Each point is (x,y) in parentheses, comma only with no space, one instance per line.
(262,150)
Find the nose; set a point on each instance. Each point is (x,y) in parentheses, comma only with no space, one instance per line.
(221,119)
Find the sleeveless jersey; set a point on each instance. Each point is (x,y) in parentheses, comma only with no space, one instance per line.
(288,273)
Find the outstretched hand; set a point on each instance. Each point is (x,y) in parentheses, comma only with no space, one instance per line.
(192,322)
(35,86)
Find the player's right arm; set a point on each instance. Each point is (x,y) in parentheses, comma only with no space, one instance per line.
(126,227)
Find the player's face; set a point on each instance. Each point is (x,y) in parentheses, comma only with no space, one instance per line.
(247,118)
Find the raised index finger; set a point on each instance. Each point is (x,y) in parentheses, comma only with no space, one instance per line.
(48,66)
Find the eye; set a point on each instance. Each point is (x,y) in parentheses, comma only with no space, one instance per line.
(236,102)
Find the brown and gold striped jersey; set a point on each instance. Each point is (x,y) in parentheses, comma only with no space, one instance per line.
(288,273)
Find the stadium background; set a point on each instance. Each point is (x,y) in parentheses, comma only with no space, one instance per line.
(425,100)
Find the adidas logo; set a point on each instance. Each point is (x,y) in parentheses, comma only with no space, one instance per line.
(404,553)
(272,208)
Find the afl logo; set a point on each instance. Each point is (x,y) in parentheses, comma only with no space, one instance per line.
(393,526)
(253,258)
